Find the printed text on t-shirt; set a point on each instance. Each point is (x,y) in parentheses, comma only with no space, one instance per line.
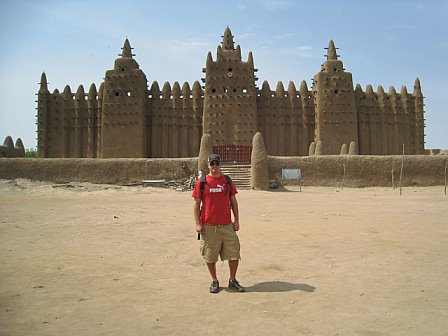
(217,190)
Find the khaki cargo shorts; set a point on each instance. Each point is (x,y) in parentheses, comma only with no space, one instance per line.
(219,240)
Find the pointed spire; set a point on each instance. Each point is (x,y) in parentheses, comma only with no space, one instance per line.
(303,89)
(19,145)
(197,90)
(8,142)
(331,52)
(166,90)
(43,83)
(127,50)
(417,88)
(280,89)
(80,93)
(227,41)
(369,90)
(186,91)
(155,90)
(358,91)
(404,91)
(176,89)
(250,59)
(312,149)
(292,92)
(92,92)
(238,51)
(101,91)
(417,83)
(353,148)
(209,58)
(265,87)
(67,92)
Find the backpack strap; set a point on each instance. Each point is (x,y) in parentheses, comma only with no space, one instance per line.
(201,185)
(229,182)
(202,182)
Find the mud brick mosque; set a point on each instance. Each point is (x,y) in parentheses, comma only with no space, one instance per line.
(126,119)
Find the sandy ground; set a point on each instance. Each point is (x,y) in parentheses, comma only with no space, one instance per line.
(84,259)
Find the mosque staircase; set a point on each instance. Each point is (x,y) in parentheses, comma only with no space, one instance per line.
(240,174)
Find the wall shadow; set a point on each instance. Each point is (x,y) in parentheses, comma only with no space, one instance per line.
(280,286)
(281,188)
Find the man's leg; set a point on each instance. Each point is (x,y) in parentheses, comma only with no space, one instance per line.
(233,267)
(214,287)
(212,269)
(233,283)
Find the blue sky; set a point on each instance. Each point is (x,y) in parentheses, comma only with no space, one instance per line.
(382,42)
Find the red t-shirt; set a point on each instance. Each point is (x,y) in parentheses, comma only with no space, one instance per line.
(216,200)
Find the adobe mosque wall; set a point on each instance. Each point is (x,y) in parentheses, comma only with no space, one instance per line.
(106,171)
(125,119)
(362,170)
(325,170)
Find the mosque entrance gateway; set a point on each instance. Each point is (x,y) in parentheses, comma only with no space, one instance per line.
(233,153)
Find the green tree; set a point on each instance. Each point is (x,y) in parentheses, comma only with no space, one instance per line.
(31,153)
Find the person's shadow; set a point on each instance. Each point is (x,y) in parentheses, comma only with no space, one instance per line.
(279,286)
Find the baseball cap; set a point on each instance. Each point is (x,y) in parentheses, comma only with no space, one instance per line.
(214,157)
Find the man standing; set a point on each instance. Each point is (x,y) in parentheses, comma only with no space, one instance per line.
(214,222)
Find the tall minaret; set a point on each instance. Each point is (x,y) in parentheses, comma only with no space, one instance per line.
(124,103)
(43,106)
(419,118)
(230,97)
(334,102)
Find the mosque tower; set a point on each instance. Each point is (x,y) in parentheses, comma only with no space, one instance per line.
(42,116)
(334,103)
(230,98)
(419,142)
(124,106)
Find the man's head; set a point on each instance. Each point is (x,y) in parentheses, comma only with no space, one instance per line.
(214,163)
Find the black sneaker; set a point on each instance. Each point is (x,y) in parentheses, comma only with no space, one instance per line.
(235,286)
(214,287)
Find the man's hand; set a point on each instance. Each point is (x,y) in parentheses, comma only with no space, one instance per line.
(199,229)
(236,226)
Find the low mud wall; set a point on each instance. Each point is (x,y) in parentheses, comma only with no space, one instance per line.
(109,171)
(362,171)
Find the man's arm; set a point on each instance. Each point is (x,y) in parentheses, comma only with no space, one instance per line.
(197,214)
(236,216)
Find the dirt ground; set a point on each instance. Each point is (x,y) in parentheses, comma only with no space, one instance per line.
(85,259)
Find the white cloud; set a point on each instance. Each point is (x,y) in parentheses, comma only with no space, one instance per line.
(193,45)
(284,36)
(300,51)
(255,26)
(246,36)
(278,5)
